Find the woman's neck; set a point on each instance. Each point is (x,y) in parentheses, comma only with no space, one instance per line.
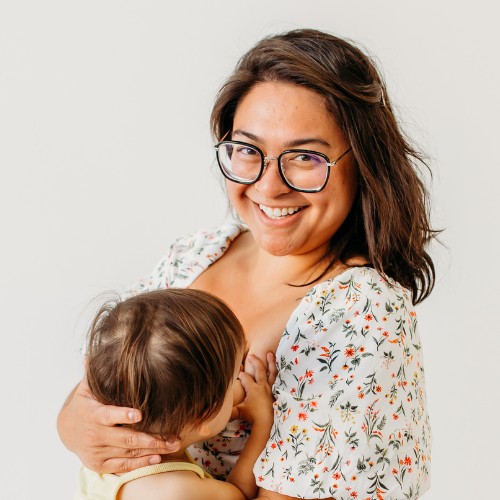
(279,269)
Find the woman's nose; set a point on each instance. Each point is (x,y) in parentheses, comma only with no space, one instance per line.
(271,184)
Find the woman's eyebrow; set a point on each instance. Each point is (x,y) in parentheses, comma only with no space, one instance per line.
(291,144)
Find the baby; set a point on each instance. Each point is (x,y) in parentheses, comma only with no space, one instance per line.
(175,355)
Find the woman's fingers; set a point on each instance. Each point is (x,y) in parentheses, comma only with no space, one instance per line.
(127,464)
(113,415)
(271,368)
(144,444)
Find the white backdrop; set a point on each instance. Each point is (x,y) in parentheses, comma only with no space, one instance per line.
(106,158)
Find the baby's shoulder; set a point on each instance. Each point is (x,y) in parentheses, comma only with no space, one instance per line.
(181,485)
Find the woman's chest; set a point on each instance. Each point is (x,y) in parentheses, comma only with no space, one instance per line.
(263,310)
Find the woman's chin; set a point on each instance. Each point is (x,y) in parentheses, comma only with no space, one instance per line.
(277,246)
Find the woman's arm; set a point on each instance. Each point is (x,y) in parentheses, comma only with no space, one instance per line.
(351,412)
(90,430)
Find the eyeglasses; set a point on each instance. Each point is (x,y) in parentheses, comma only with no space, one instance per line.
(301,170)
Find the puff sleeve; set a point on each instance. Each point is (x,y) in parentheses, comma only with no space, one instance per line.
(350,412)
(187,258)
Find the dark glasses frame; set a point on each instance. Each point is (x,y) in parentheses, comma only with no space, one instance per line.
(265,160)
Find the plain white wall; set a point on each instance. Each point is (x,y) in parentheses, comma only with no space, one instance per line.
(105,158)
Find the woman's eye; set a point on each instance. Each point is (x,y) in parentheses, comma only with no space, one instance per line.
(302,157)
(246,151)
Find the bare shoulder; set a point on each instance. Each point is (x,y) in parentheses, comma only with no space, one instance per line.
(161,486)
(179,485)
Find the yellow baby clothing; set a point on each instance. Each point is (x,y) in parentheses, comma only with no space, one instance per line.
(94,486)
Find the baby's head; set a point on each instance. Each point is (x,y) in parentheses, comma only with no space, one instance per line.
(173,354)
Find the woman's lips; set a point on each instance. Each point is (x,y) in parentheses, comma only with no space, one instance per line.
(278,220)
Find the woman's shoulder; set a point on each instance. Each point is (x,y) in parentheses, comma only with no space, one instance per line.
(357,290)
(359,282)
(358,313)
(216,236)
(188,257)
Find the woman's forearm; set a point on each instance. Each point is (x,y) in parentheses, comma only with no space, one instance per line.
(242,473)
(61,428)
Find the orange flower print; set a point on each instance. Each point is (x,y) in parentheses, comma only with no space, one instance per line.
(349,333)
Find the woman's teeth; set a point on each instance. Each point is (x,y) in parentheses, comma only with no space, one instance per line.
(278,213)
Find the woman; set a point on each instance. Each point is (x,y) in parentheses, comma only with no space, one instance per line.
(325,273)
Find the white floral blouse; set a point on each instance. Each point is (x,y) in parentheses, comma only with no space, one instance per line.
(350,413)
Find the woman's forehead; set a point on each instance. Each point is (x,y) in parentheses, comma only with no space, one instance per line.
(284,113)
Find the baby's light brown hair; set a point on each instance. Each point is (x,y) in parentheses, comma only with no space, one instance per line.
(170,353)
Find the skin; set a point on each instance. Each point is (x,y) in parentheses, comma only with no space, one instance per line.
(254,272)
(240,484)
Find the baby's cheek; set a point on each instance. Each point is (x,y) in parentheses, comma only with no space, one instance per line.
(238,393)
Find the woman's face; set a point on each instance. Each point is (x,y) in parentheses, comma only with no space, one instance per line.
(272,116)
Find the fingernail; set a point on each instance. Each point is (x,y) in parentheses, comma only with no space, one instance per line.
(155,460)
(133,415)
(172,445)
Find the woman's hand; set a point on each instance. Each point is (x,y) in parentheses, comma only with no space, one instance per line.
(90,430)
(258,403)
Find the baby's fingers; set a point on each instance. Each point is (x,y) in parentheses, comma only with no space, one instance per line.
(260,370)
(246,381)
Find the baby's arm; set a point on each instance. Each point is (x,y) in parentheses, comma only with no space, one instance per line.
(257,408)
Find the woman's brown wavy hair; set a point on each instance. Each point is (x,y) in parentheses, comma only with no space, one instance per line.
(389,224)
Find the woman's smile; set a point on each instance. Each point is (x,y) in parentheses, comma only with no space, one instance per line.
(284,217)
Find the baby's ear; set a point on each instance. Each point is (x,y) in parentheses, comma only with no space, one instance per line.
(203,429)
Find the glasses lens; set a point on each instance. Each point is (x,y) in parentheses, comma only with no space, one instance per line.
(240,162)
(304,170)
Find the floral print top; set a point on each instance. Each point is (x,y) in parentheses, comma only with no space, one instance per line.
(350,412)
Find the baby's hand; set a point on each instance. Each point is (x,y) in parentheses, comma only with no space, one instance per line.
(258,403)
